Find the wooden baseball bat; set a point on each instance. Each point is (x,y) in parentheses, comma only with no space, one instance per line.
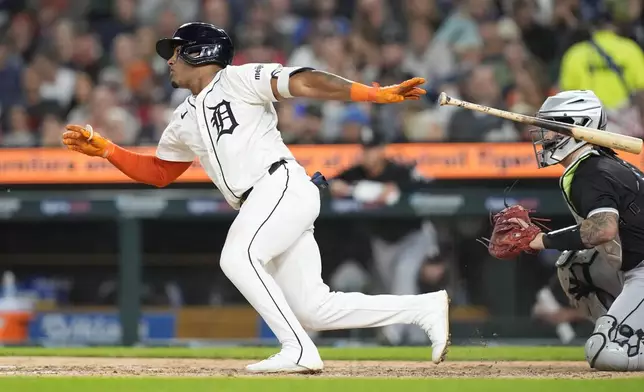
(594,136)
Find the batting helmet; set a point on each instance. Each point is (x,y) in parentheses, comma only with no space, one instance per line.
(200,44)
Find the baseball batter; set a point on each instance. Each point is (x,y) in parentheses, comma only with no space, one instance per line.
(606,196)
(270,254)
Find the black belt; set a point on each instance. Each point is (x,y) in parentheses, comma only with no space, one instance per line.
(271,170)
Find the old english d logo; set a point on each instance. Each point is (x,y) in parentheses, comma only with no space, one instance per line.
(223,119)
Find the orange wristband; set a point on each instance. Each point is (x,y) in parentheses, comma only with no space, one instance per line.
(362,93)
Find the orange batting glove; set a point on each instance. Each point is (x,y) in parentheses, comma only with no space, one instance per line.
(87,141)
(405,91)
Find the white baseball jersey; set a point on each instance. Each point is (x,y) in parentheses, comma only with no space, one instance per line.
(231,126)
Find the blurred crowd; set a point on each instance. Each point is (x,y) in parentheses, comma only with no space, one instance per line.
(94,61)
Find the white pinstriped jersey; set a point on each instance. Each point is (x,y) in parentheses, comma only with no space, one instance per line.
(231,126)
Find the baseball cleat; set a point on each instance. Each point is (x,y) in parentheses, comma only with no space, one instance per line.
(279,364)
(436,325)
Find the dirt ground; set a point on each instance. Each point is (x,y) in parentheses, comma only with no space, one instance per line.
(119,367)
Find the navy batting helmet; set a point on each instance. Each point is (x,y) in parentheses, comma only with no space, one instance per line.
(200,44)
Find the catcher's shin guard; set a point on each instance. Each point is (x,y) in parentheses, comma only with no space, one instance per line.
(608,350)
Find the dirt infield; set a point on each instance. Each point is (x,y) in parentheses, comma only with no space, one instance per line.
(119,367)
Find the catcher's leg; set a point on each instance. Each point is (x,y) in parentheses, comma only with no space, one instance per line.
(617,343)
(298,273)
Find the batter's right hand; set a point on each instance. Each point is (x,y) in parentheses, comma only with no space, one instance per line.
(405,91)
(87,141)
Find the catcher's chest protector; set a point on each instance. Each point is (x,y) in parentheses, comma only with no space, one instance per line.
(611,251)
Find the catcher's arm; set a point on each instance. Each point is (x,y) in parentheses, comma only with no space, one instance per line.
(597,229)
(515,233)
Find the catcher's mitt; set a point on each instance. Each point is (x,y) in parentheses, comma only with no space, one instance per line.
(513,231)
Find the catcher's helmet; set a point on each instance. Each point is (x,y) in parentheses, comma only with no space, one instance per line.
(578,107)
(201,44)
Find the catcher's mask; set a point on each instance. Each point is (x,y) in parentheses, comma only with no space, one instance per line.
(578,107)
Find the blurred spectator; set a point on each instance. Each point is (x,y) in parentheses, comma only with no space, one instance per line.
(146,39)
(471,126)
(285,22)
(19,134)
(124,56)
(57,82)
(426,11)
(167,22)
(255,47)
(218,13)
(288,121)
(50,130)
(104,113)
(313,54)
(461,32)
(122,20)
(324,11)
(492,53)
(148,11)
(160,115)
(64,41)
(424,56)
(309,125)
(423,124)
(611,66)
(370,21)
(399,247)
(37,106)
(10,76)
(22,34)
(539,39)
(87,54)
(552,307)
(354,121)
(435,272)
(82,91)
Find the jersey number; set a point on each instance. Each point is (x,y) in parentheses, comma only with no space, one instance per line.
(223,119)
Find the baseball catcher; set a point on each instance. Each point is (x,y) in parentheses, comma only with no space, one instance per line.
(605,194)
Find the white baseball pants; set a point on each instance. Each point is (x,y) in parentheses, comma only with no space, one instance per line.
(272,258)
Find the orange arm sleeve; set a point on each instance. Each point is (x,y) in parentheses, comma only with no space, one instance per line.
(147,169)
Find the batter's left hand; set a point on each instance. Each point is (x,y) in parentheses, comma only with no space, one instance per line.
(405,91)
(87,141)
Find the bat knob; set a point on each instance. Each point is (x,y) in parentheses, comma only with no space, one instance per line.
(443,98)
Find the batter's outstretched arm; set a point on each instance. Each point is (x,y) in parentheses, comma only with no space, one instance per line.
(147,169)
(326,86)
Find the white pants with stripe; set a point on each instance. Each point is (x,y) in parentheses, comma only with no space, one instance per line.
(271,256)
